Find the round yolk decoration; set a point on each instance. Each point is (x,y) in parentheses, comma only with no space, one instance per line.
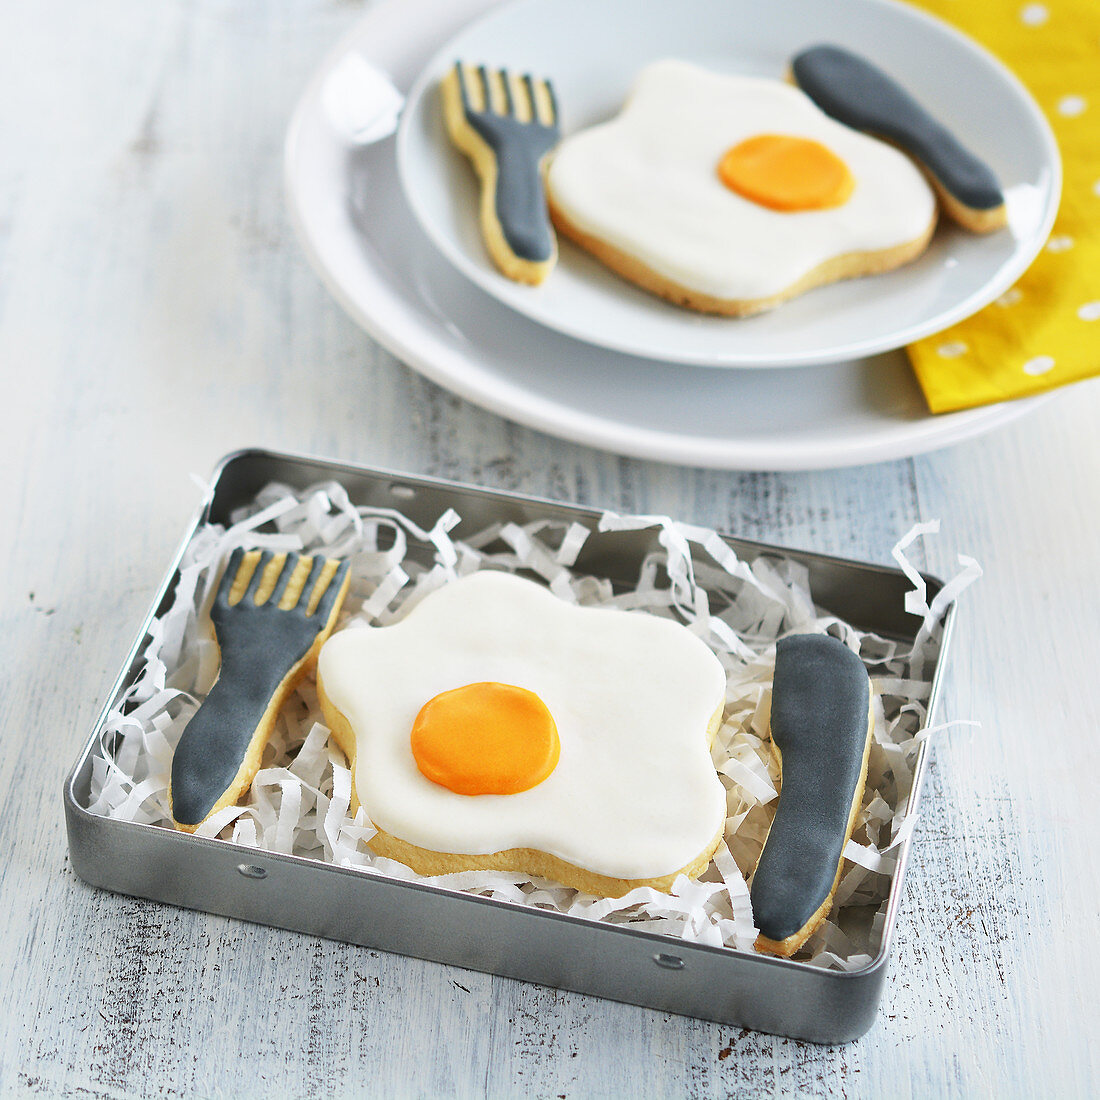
(485,738)
(786,173)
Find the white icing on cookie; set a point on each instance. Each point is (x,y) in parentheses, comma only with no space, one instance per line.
(634,793)
(646,183)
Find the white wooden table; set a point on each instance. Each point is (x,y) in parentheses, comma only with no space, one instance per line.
(156,312)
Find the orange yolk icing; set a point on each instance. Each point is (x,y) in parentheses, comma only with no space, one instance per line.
(485,738)
(786,173)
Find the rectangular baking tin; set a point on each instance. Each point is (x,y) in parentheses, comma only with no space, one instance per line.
(307,895)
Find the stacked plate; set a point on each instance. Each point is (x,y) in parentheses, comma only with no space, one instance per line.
(390,224)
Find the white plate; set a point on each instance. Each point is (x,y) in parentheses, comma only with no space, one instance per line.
(358,233)
(592,52)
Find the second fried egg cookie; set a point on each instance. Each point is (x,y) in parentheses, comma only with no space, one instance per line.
(730,194)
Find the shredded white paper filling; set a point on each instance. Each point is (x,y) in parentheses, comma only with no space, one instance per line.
(299,801)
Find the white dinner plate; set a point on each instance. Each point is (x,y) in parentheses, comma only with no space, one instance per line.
(592,51)
(358,233)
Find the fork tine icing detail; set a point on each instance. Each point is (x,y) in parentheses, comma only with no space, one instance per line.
(271,614)
(507,125)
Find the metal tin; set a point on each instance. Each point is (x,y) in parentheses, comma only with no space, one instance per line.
(716,983)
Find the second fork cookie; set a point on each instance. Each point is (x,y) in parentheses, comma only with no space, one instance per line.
(506,125)
(271,615)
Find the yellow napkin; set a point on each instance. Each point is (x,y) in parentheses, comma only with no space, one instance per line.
(1045,331)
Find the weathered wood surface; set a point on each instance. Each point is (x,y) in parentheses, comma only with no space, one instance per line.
(156,313)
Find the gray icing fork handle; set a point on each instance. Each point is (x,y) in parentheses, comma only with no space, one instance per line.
(216,740)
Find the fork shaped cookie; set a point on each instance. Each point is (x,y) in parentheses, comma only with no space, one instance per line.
(507,125)
(271,615)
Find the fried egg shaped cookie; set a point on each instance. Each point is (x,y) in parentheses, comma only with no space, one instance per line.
(649,195)
(853,91)
(499,727)
(821,724)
